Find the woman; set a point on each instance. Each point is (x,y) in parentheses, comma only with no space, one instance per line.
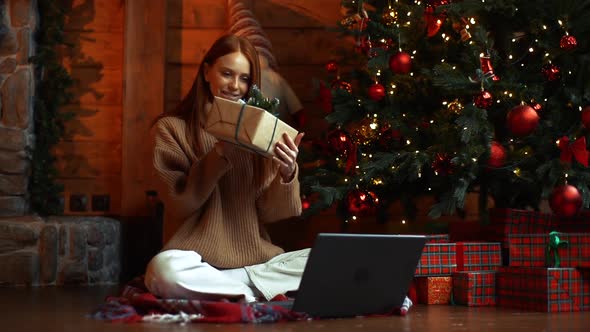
(222,195)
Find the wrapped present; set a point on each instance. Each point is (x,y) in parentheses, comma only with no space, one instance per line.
(478,256)
(434,290)
(437,238)
(504,222)
(474,288)
(540,250)
(540,289)
(438,259)
(585,288)
(247,126)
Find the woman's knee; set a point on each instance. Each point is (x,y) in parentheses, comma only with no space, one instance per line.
(162,272)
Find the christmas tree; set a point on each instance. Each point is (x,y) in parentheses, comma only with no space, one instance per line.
(449,97)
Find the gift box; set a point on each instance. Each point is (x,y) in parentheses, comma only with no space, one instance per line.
(437,238)
(585,272)
(474,288)
(437,259)
(434,290)
(478,256)
(531,250)
(247,126)
(540,289)
(504,222)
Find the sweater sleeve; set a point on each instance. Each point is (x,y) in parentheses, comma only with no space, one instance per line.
(279,200)
(190,183)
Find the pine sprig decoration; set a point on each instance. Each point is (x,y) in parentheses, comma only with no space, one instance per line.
(258,100)
(53,82)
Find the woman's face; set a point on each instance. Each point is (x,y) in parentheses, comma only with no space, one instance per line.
(229,76)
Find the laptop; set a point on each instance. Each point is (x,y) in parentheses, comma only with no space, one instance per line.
(350,275)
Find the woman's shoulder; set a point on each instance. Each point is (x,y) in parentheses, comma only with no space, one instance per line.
(170,123)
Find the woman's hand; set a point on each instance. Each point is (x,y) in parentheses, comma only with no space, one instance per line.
(286,156)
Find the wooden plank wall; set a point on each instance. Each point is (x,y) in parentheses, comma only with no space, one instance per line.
(89,157)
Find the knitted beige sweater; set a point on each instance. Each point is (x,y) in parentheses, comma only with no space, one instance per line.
(217,201)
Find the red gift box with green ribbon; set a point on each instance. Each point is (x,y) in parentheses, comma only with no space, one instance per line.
(438,259)
(474,288)
(478,256)
(541,289)
(549,250)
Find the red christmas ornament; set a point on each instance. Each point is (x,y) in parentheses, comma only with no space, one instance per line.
(400,63)
(376,92)
(384,44)
(363,45)
(332,66)
(305,203)
(522,120)
(339,142)
(442,164)
(361,202)
(433,21)
(586,117)
(565,201)
(573,150)
(497,155)
(568,43)
(483,100)
(536,106)
(343,85)
(486,68)
(551,72)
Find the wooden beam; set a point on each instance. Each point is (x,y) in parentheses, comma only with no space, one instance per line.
(145,41)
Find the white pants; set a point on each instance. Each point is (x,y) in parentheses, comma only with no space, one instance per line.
(182,274)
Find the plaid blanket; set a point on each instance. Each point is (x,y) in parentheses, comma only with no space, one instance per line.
(137,304)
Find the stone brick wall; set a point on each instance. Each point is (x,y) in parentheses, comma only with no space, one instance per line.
(59,251)
(17,23)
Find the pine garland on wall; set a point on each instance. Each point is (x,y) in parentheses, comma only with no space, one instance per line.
(52,84)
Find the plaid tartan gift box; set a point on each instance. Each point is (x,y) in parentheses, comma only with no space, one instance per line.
(437,238)
(531,250)
(474,288)
(438,259)
(504,222)
(434,290)
(540,289)
(585,288)
(478,256)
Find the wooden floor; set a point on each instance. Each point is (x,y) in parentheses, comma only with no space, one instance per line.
(64,309)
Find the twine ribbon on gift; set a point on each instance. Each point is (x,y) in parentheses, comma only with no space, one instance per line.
(553,247)
(238,126)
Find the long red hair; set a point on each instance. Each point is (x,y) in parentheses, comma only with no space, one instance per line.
(192,107)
